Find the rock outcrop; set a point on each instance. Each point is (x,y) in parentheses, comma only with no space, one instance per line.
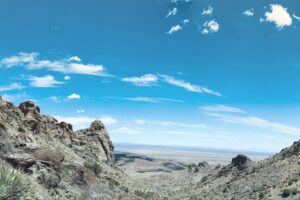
(64,162)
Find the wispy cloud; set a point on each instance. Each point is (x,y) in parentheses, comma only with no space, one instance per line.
(15,97)
(21,58)
(145,80)
(12,86)
(221,108)
(74,96)
(174,29)
(237,116)
(210,27)
(44,81)
(126,130)
(152,99)
(249,12)
(32,62)
(170,123)
(187,86)
(74,58)
(257,122)
(279,16)
(172,12)
(208,11)
(296,17)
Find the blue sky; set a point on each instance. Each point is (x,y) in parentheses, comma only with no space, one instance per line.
(190,73)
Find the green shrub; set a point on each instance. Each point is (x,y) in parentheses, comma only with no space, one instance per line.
(145,195)
(13,184)
(261,195)
(286,193)
(94,166)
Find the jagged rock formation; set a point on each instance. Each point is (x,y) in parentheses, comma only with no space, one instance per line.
(70,165)
(202,166)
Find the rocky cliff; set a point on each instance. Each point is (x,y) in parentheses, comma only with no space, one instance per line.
(67,164)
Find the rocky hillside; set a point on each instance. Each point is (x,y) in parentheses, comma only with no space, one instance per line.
(52,162)
(275,178)
(66,164)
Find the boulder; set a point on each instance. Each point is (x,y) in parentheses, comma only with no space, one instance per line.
(46,175)
(20,160)
(29,107)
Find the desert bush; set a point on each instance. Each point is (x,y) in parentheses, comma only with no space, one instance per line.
(261,195)
(286,193)
(13,183)
(145,195)
(55,157)
(94,166)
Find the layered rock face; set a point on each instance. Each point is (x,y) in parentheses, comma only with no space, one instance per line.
(61,160)
(27,127)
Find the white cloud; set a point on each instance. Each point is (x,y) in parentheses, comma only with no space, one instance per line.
(145,80)
(210,27)
(31,61)
(20,59)
(80,111)
(54,99)
(172,12)
(125,130)
(12,86)
(279,16)
(249,12)
(67,78)
(108,120)
(74,96)
(170,123)
(15,97)
(74,58)
(186,21)
(174,29)
(185,133)
(44,81)
(237,116)
(296,17)
(208,11)
(222,108)
(257,122)
(152,99)
(77,122)
(261,20)
(85,122)
(188,86)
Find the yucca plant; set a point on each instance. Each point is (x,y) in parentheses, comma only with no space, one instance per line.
(13,184)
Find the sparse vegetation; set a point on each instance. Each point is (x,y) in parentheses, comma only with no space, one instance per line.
(261,195)
(94,166)
(13,184)
(145,195)
(52,156)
